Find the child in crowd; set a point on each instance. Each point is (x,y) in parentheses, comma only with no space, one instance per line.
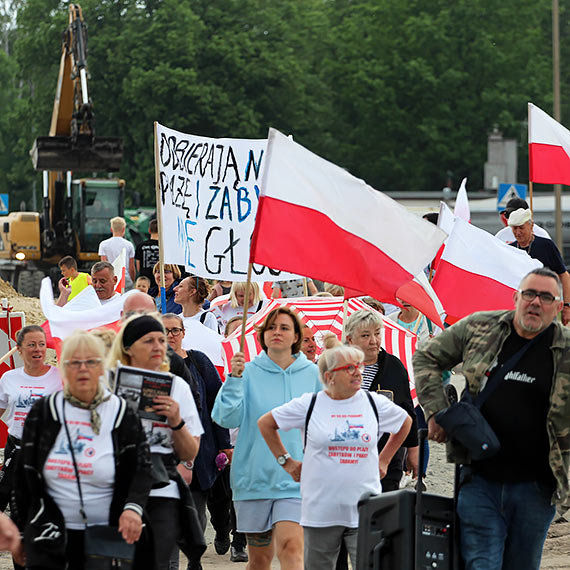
(142,283)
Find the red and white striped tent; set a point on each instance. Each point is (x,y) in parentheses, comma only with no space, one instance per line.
(322,315)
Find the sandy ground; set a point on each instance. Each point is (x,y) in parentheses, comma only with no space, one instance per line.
(439,478)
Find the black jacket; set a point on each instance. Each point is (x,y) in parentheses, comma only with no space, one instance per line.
(392,375)
(214,438)
(37,514)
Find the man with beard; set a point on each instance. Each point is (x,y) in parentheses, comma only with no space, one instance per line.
(505,503)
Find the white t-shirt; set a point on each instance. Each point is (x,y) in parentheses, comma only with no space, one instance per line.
(341,455)
(506,234)
(199,337)
(209,320)
(113,246)
(159,435)
(95,461)
(18,393)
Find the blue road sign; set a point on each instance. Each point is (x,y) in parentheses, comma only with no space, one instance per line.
(508,191)
(3,204)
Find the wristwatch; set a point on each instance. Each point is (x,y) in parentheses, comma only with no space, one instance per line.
(282,459)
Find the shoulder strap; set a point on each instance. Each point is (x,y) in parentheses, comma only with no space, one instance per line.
(203,317)
(374,408)
(307,419)
(498,375)
(82,509)
(120,413)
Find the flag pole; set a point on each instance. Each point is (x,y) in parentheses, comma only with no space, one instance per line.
(159,222)
(305,288)
(245,307)
(344,316)
(530,197)
(529,180)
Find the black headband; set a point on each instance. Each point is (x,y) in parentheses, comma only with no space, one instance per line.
(138,327)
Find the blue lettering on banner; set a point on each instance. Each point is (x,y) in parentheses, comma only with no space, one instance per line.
(185,239)
(240,200)
(256,167)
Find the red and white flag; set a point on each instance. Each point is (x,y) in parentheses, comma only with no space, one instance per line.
(548,148)
(120,269)
(461,209)
(478,272)
(83,312)
(316,219)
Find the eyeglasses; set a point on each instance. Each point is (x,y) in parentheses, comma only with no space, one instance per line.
(89,363)
(545,298)
(174,332)
(350,368)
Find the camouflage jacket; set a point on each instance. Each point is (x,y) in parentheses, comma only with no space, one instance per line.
(476,341)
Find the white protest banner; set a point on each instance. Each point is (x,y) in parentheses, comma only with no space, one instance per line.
(209,190)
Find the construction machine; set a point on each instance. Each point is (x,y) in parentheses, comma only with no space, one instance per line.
(75,213)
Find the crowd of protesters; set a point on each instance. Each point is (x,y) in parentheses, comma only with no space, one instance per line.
(91,476)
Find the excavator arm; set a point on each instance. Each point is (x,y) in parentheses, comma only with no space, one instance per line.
(71,144)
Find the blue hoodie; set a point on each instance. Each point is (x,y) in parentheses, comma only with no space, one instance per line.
(241,402)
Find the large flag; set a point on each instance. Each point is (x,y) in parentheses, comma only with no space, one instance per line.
(478,272)
(120,269)
(316,219)
(83,312)
(548,148)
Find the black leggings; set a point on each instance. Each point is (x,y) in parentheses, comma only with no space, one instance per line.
(164,517)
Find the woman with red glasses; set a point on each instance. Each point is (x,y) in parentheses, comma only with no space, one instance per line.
(342,426)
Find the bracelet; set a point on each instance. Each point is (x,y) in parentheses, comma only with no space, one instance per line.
(179,426)
(188,464)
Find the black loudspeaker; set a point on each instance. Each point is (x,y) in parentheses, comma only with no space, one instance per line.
(406,530)
(387,532)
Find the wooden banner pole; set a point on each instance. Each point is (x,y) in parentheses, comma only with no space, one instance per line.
(159,221)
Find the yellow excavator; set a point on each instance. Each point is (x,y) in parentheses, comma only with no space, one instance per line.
(75,213)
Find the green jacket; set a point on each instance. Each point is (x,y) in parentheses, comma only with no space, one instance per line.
(476,341)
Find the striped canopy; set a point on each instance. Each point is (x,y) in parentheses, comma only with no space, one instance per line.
(322,315)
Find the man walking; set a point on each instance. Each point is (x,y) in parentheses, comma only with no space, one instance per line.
(111,248)
(543,249)
(146,253)
(505,503)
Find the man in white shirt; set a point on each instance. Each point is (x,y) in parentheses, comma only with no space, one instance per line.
(506,234)
(111,248)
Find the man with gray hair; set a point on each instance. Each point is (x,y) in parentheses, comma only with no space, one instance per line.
(506,501)
(543,249)
(104,281)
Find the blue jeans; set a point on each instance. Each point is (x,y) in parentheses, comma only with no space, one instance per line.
(503,525)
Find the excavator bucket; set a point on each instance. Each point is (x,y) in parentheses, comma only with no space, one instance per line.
(98,154)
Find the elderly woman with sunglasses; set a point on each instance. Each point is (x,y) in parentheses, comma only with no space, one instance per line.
(82,438)
(342,426)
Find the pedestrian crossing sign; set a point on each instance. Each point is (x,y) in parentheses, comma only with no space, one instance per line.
(508,191)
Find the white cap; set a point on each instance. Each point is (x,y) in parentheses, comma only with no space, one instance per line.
(519,217)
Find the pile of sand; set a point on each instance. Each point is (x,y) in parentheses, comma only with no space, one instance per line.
(28,305)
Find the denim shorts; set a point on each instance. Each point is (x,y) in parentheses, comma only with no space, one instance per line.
(260,515)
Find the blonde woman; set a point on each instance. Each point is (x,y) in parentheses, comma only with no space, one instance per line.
(171,280)
(235,306)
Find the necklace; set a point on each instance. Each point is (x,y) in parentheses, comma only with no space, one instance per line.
(527,248)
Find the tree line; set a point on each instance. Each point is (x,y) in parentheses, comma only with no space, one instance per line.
(397,92)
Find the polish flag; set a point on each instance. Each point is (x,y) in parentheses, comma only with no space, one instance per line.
(548,148)
(461,209)
(478,272)
(120,269)
(316,219)
(83,312)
